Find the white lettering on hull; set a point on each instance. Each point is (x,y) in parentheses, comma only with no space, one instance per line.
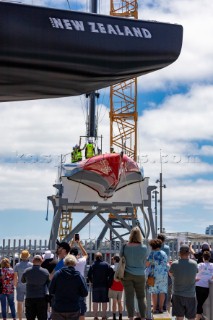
(96,27)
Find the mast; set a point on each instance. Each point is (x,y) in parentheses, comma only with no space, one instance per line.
(92,126)
(91,131)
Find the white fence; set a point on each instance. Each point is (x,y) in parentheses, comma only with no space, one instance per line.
(12,248)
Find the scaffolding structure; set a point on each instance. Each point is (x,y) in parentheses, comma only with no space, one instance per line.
(123,96)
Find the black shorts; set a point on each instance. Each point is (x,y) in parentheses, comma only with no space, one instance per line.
(184,306)
(36,307)
(100,295)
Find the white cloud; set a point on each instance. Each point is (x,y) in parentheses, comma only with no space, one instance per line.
(185,192)
(45,126)
(181,117)
(195,62)
(26,186)
(176,128)
(78,5)
(206,150)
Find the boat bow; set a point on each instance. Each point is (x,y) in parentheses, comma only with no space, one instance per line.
(105,173)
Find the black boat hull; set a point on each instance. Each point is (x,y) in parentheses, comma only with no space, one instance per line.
(49,53)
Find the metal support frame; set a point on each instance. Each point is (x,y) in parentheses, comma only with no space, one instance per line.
(92,209)
(55,223)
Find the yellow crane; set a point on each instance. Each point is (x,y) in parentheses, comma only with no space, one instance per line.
(65,225)
(123,96)
(123,100)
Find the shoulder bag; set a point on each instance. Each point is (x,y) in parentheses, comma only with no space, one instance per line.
(151,279)
(119,273)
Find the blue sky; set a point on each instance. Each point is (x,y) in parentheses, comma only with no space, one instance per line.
(175,107)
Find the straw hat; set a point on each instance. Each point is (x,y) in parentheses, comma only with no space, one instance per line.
(25,255)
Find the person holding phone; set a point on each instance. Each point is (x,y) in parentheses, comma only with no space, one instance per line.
(80,266)
(76,237)
(63,248)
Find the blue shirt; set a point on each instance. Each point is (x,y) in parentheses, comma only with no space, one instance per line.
(20,267)
(135,255)
(59,265)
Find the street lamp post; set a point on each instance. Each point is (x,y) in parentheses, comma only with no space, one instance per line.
(156,210)
(161,200)
(161,204)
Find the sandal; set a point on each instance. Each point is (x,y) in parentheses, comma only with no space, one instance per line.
(154,311)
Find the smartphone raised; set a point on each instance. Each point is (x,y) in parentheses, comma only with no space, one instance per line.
(76,237)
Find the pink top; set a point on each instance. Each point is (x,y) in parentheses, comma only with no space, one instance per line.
(7,280)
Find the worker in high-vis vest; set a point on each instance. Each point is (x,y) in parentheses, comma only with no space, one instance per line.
(89,150)
(78,153)
(74,155)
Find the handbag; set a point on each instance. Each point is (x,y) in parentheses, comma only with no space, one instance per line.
(151,279)
(119,273)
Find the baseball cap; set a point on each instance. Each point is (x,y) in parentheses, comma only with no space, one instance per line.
(63,245)
(184,248)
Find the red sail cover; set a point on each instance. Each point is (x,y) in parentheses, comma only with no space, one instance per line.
(106,173)
(49,53)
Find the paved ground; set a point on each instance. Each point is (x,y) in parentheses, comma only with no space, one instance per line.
(109,313)
(164,316)
(157,317)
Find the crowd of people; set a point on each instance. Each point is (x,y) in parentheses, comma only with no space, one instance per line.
(51,289)
(57,289)
(183,283)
